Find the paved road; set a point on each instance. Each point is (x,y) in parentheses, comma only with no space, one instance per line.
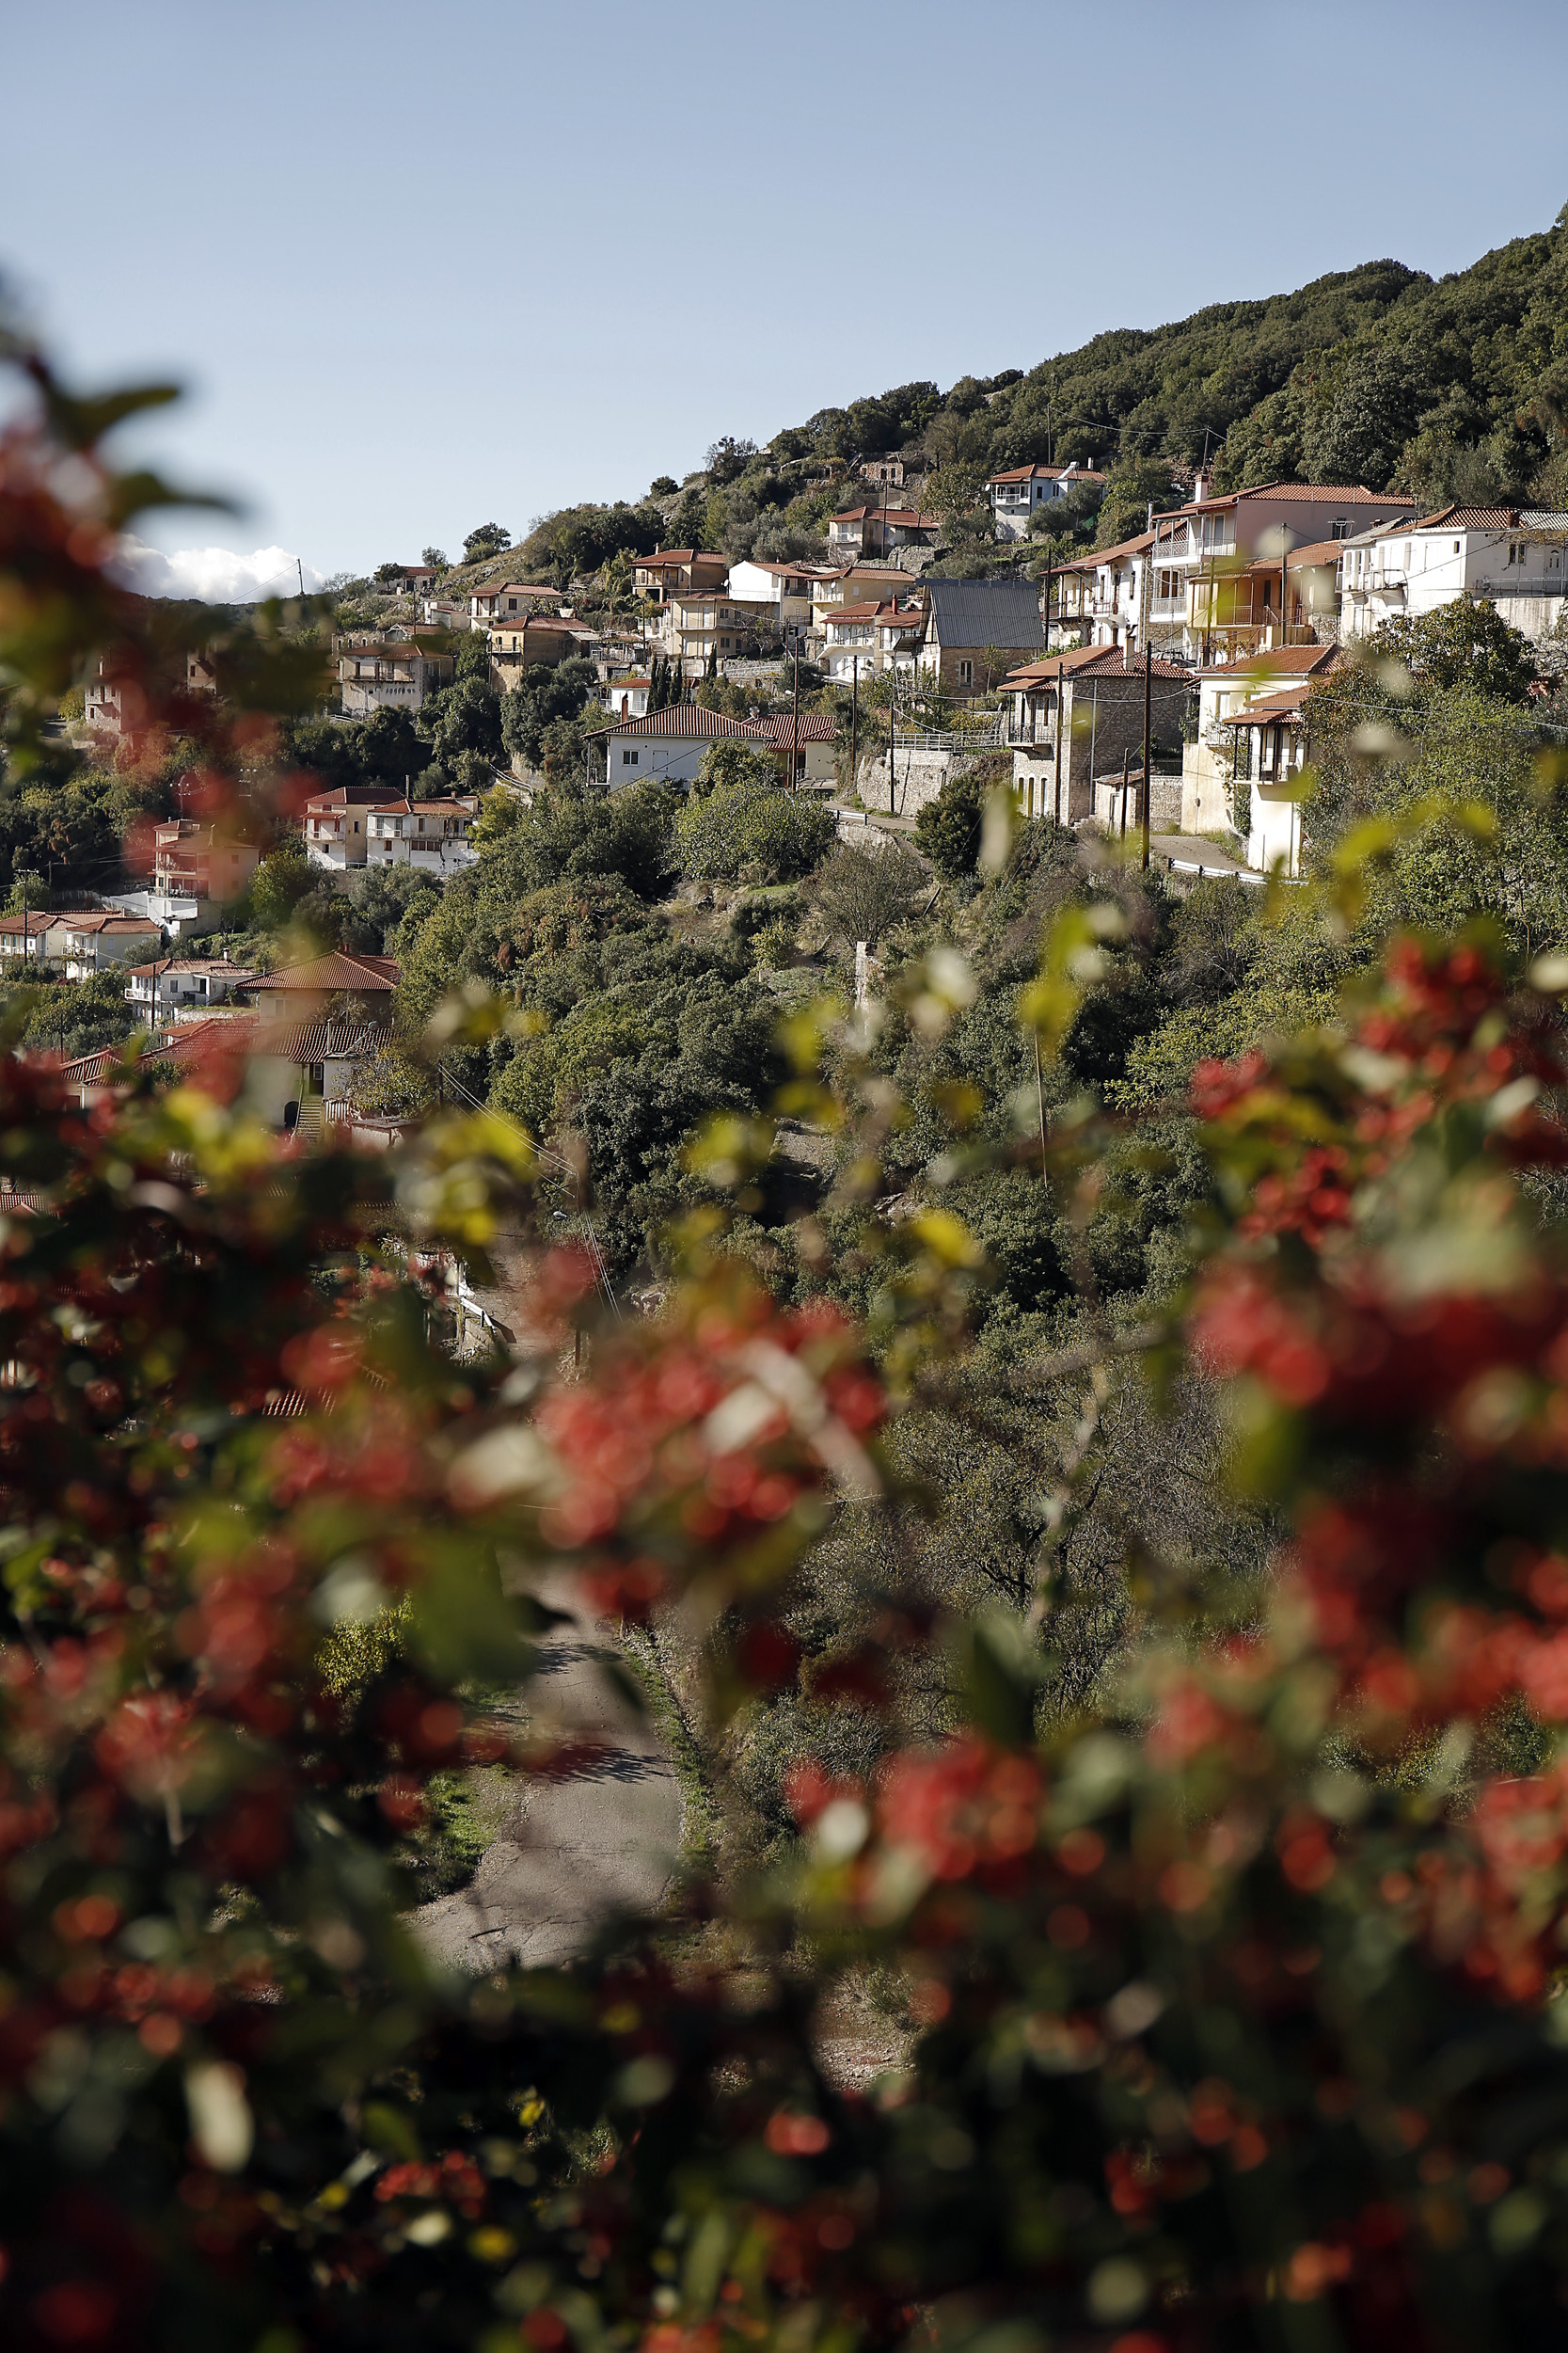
(600,1840)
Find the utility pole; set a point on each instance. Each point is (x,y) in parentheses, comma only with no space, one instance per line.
(854,723)
(1061,708)
(1126,761)
(795,732)
(1148,689)
(892,705)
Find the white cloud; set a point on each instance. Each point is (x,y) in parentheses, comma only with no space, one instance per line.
(218,576)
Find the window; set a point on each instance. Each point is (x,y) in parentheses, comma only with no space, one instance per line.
(1339,528)
(966,673)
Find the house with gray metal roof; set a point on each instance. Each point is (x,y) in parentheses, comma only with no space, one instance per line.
(978,630)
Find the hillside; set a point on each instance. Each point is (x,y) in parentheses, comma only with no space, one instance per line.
(1455,386)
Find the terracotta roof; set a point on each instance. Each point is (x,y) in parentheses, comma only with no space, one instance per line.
(663,556)
(35,920)
(816,727)
(1108,660)
(236,972)
(361,975)
(95,925)
(1107,555)
(1271,707)
(1046,473)
(683,718)
(884,613)
(1297,659)
(625,686)
(1325,493)
(1484,518)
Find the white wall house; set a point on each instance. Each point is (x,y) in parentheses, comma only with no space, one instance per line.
(183,988)
(667,746)
(787,589)
(1015,494)
(627,698)
(1246,737)
(389,673)
(336,826)
(1515,558)
(861,639)
(431,835)
(84,944)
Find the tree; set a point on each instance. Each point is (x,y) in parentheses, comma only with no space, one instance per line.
(728,458)
(1465,642)
(863,892)
(437,558)
(1131,489)
(391,576)
(947,830)
(663,486)
(281,880)
(738,825)
(544,695)
(956,490)
(490,539)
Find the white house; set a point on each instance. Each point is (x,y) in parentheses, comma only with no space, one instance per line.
(24,939)
(336,826)
(430,835)
(183,988)
(627,698)
(87,944)
(787,589)
(1015,494)
(668,746)
(1514,558)
(506,601)
(1248,738)
(864,637)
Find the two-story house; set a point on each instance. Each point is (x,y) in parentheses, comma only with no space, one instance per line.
(628,697)
(380,672)
(1207,544)
(786,588)
(535,638)
(1074,716)
(433,836)
(860,639)
(24,939)
(1215,761)
(875,531)
(978,630)
(506,601)
(335,826)
(183,988)
(195,861)
(1015,494)
(670,568)
(700,622)
(82,944)
(1515,558)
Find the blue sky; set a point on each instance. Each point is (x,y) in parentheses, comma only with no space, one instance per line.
(424,266)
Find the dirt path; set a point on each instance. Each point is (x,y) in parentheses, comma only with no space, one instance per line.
(601,1840)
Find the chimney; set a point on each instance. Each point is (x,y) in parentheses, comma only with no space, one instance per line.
(1200,486)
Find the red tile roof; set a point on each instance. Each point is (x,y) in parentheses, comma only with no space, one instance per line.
(683,718)
(1468,518)
(35,920)
(1107,660)
(816,727)
(359,976)
(1286,659)
(884,613)
(1045,473)
(1107,555)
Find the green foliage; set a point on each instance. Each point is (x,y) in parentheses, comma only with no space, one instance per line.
(283,879)
(1465,643)
(738,824)
(542,694)
(489,539)
(865,893)
(1134,485)
(70,1017)
(947,830)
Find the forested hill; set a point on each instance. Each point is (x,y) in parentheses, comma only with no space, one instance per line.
(1452,387)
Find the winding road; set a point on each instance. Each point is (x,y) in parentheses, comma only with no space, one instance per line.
(602,1839)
